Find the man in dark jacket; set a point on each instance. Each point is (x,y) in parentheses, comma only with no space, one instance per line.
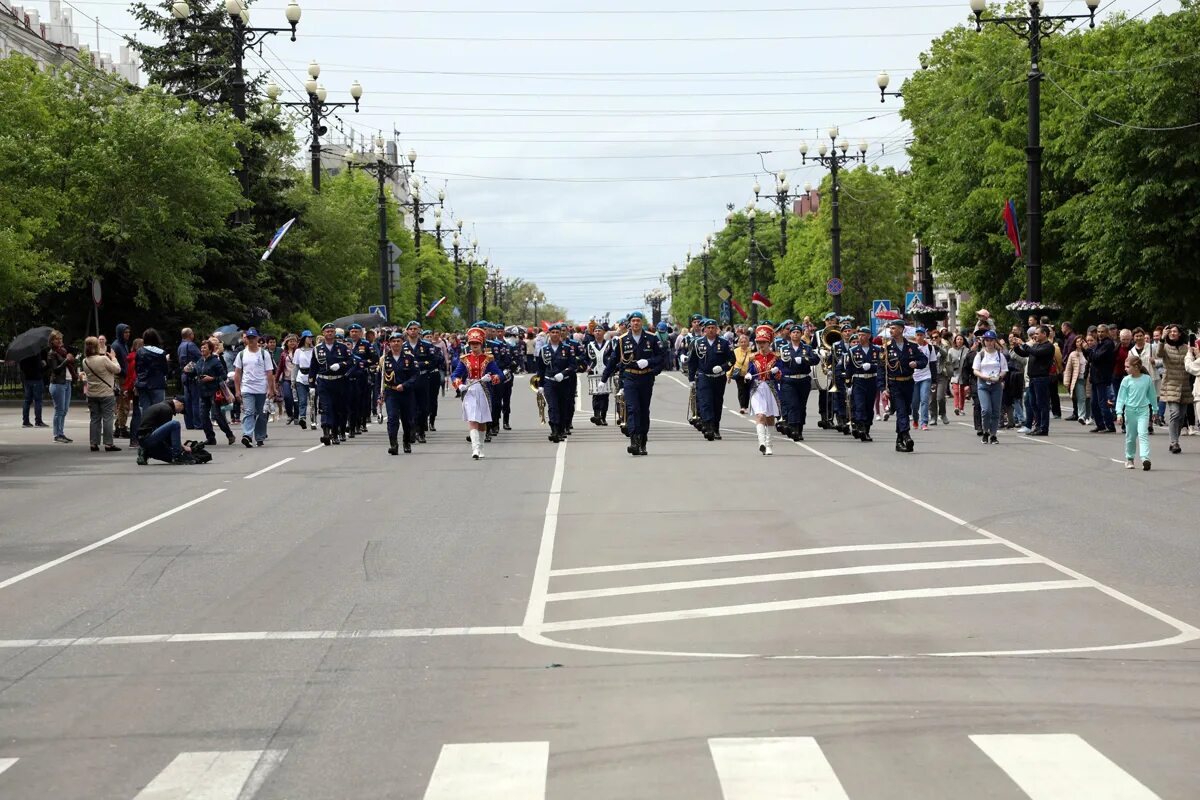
(33,379)
(120,348)
(1040,353)
(1101,358)
(186,355)
(159,434)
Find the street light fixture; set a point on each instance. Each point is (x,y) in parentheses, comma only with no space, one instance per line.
(1033,29)
(834,161)
(882,80)
(382,170)
(781,198)
(318,110)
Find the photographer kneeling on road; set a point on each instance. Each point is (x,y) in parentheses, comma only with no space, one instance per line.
(158,435)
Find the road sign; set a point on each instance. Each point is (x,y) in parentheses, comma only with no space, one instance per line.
(724,294)
(876,307)
(380,310)
(96,295)
(393,253)
(834,286)
(910,298)
(726,311)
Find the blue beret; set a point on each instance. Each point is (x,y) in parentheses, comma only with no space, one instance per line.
(830,315)
(306,332)
(637,315)
(920,329)
(412,323)
(328,326)
(396,335)
(695,318)
(864,329)
(354,326)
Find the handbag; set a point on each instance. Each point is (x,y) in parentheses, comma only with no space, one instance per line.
(221,397)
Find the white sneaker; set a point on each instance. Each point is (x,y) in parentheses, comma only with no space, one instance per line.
(1024,429)
(767,450)
(1129,463)
(878,418)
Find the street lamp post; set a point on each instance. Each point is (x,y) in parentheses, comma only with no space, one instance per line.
(705,255)
(830,158)
(1033,29)
(318,109)
(782,196)
(456,241)
(418,209)
(382,170)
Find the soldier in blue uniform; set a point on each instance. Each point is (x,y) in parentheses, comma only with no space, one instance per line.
(639,357)
(357,384)
(433,381)
(711,358)
(579,353)
(840,400)
(401,380)
(425,355)
(556,368)
(865,367)
(330,362)
(796,362)
(901,359)
(504,357)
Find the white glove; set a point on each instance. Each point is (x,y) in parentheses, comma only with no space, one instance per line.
(692,383)
(335,367)
(558,378)
(718,370)
(775,371)
(642,363)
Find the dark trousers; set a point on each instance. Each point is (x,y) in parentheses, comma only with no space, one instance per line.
(976,408)
(793,396)
(1055,400)
(163,442)
(710,394)
(862,400)
(901,393)
(421,404)
(399,407)
(743,389)
(600,404)
(34,390)
(356,396)
(332,397)
(433,388)
(638,390)
(1102,413)
(572,384)
(210,412)
(556,400)
(191,404)
(1039,405)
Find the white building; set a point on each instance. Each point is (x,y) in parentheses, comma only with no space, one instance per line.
(53,40)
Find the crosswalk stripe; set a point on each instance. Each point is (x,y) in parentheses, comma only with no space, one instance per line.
(5,763)
(1060,766)
(213,775)
(785,768)
(492,771)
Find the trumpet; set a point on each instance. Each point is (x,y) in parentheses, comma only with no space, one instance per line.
(535,384)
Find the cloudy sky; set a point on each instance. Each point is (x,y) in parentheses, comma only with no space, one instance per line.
(589,149)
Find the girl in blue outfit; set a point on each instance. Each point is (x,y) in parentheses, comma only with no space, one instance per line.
(1135,401)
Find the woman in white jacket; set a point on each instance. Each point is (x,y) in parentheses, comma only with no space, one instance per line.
(597,351)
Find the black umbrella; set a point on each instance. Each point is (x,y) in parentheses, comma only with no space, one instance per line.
(230,328)
(230,338)
(366,320)
(30,343)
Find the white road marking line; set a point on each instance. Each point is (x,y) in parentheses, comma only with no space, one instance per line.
(311,449)
(808,551)
(268,469)
(218,775)
(492,771)
(535,612)
(97,545)
(5,763)
(1023,438)
(774,769)
(1060,766)
(256,636)
(808,602)
(709,583)
(686,425)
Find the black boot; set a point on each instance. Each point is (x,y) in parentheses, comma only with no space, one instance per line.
(866,434)
(395,448)
(900,447)
(353,432)
(909,444)
(716,428)
(854,430)
(507,427)
(554,437)
(595,420)
(421,437)
(708,432)
(642,445)
(325,437)
(632,449)
(432,427)
(603,418)
(797,434)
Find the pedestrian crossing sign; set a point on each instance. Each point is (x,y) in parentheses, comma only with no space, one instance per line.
(380,310)
(876,307)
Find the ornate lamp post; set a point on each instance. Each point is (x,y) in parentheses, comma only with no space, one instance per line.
(418,209)
(830,158)
(318,110)
(781,198)
(382,170)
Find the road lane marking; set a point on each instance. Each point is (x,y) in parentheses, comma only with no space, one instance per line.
(710,583)
(1024,438)
(1060,766)
(216,775)
(807,551)
(5,763)
(256,636)
(268,469)
(535,612)
(774,769)
(491,771)
(316,447)
(714,612)
(97,545)
(688,425)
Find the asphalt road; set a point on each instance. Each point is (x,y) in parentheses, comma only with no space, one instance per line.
(567,622)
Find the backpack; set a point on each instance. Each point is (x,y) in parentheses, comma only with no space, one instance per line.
(200,452)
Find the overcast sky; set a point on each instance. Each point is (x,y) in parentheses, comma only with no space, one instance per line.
(587,149)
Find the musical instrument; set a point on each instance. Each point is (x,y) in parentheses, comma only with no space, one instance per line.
(693,407)
(829,338)
(596,384)
(622,411)
(534,385)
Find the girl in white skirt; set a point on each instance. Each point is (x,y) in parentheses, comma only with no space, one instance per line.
(764,396)
(475,374)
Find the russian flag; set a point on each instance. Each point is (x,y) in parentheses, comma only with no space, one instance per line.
(738,308)
(1010,226)
(434,307)
(760,299)
(279,234)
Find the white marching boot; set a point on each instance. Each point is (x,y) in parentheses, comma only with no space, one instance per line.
(762,437)
(767,431)
(476,447)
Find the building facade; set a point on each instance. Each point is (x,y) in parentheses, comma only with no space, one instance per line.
(53,40)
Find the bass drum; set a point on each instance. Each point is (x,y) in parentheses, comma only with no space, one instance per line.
(822,380)
(596,385)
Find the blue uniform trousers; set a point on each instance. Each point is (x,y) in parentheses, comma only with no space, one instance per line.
(433,389)
(901,393)
(356,390)
(332,397)
(862,399)
(557,399)
(638,389)
(793,396)
(710,394)
(399,407)
(421,402)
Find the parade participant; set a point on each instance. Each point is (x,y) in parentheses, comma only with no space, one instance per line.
(303,360)
(840,399)
(866,379)
(764,400)
(401,380)
(598,352)
(711,358)
(505,358)
(823,381)
(423,354)
(579,353)
(476,370)
(330,362)
(433,379)
(902,359)
(358,401)
(556,367)
(796,361)
(1135,400)
(742,354)
(639,357)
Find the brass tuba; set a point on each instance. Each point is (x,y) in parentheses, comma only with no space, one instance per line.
(829,338)
(535,384)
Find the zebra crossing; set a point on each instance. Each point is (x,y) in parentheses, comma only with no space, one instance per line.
(1043,766)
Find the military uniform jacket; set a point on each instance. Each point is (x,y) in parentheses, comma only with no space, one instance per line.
(866,364)
(424,354)
(362,358)
(550,362)
(325,356)
(579,351)
(841,354)
(707,355)
(897,356)
(628,352)
(797,361)
(504,356)
(399,370)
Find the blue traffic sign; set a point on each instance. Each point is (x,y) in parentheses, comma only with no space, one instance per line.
(910,298)
(726,312)
(380,310)
(876,307)
(834,286)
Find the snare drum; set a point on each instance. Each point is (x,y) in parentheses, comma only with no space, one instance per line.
(596,385)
